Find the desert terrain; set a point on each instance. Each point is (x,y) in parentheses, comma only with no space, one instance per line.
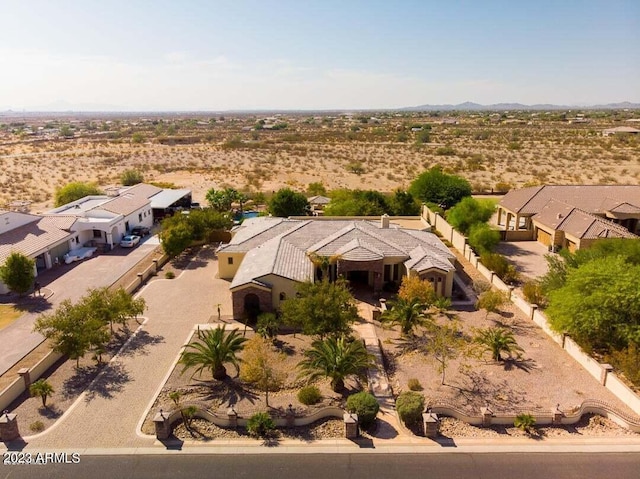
(261,152)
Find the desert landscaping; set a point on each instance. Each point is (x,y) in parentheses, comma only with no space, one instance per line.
(254,154)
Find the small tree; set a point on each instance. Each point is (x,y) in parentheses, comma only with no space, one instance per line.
(336,359)
(41,388)
(491,301)
(469,212)
(212,350)
(268,325)
(435,186)
(483,238)
(321,308)
(262,366)
(525,422)
(75,191)
(18,273)
(497,341)
(286,202)
(316,188)
(412,287)
(409,315)
(131,177)
(175,237)
(445,344)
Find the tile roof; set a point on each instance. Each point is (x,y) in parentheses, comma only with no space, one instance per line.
(576,222)
(142,189)
(319,200)
(590,198)
(124,204)
(282,247)
(33,237)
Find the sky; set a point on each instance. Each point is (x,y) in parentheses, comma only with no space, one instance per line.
(190,55)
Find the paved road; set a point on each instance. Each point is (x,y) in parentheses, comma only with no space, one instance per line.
(113,406)
(339,466)
(66,282)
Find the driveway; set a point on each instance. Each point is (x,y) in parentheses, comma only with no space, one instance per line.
(108,412)
(528,256)
(65,282)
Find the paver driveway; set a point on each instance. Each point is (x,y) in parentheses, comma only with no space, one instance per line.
(67,282)
(109,412)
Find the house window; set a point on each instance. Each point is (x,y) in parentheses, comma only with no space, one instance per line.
(229,260)
(97,234)
(387,272)
(77,240)
(439,279)
(139,216)
(396,272)
(283,296)
(126,226)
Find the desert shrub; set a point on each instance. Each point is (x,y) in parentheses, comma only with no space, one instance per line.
(309,395)
(483,238)
(414,384)
(532,291)
(445,151)
(365,406)
(500,266)
(131,177)
(525,422)
(260,424)
(169,275)
(627,360)
(410,406)
(503,187)
(37,426)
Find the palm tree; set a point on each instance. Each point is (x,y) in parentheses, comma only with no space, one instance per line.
(214,348)
(336,358)
(409,314)
(497,341)
(43,389)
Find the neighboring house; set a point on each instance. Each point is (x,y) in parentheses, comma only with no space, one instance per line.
(620,130)
(104,219)
(318,203)
(570,217)
(164,201)
(267,257)
(42,239)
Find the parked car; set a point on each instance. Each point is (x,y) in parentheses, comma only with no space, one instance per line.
(141,231)
(129,241)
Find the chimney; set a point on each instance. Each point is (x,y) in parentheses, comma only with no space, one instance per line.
(384,221)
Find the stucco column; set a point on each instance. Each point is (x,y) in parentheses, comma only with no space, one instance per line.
(517,227)
(499,215)
(110,239)
(508,221)
(48,263)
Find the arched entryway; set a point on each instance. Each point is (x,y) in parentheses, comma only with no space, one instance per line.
(252,306)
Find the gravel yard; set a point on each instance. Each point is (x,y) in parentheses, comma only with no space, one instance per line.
(542,378)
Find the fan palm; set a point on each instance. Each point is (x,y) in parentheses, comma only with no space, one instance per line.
(409,314)
(497,341)
(43,389)
(214,348)
(336,359)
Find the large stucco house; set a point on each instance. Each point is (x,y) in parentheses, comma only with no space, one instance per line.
(268,257)
(571,217)
(100,221)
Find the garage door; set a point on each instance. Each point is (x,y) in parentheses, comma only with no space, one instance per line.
(544,237)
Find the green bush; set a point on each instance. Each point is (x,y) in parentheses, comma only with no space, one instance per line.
(410,406)
(483,238)
(500,266)
(260,424)
(414,385)
(169,275)
(309,395)
(365,406)
(532,291)
(525,422)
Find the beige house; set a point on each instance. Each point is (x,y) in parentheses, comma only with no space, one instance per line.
(570,217)
(268,257)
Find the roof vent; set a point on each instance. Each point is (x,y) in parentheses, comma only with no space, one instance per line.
(559,215)
(384,221)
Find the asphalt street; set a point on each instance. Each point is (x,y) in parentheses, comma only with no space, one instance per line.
(338,466)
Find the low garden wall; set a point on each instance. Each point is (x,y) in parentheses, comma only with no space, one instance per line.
(555,416)
(602,372)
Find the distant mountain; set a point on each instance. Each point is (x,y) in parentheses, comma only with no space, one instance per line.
(470,106)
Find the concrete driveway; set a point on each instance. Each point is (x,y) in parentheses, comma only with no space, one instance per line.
(65,282)
(528,256)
